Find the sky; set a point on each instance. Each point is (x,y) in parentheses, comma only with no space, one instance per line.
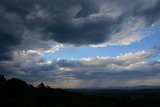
(81,43)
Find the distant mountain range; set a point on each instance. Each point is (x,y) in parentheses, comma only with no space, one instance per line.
(135,87)
(113,89)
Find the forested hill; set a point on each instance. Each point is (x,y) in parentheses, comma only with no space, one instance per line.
(17,93)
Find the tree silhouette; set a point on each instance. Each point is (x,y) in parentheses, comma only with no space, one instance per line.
(16,92)
(2,78)
(17,83)
(41,85)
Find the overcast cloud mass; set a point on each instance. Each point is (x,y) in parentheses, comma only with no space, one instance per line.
(28,28)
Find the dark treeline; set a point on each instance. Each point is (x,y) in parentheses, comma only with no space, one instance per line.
(17,93)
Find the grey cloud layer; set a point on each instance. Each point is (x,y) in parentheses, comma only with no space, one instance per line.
(80,22)
(86,72)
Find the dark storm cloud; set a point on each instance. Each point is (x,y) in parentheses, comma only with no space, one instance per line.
(11,23)
(78,22)
(89,22)
(10,32)
(4,70)
(87,8)
(20,7)
(5,56)
(151,14)
(71,23)
(89,33)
